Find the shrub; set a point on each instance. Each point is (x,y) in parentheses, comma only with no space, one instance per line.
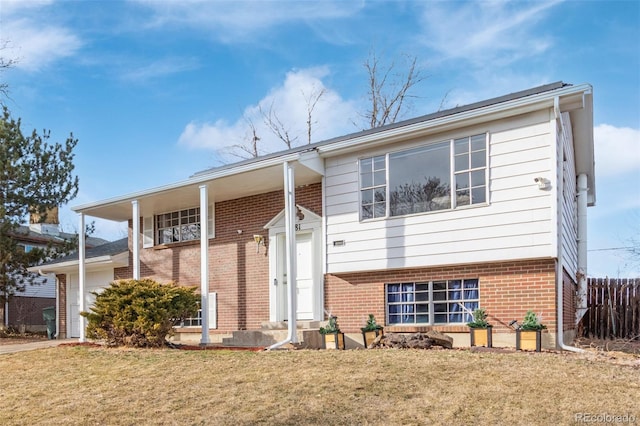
(479,319)
(139,313)
(332,326)
(531,322)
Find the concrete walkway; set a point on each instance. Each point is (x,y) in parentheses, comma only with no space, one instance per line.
(30,346)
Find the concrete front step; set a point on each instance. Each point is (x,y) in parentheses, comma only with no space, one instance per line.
(284,325)
(264,338)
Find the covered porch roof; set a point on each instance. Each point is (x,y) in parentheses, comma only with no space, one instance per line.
(230,182)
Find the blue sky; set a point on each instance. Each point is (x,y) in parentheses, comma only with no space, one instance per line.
(158,90)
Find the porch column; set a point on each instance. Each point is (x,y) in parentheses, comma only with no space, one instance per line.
(135,239)
(290,247)
(204,263)
(81,277)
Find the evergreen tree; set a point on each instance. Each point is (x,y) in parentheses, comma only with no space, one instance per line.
(35,176)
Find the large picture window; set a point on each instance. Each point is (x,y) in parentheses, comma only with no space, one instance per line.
(439,176)
(432,303)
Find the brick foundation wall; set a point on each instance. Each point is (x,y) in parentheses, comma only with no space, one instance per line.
(62,302)
(238,274)
(569,299)
(507,291)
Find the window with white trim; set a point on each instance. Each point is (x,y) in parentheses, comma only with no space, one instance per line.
(421,179)
(177,226)
(182,225)
(432,303)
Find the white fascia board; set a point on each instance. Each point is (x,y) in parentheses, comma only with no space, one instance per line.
(93,263)
(516,106)
(207,177)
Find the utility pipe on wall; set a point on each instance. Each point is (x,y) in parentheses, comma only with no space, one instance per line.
(582,188)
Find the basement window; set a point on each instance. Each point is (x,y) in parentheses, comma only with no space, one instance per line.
(432,303)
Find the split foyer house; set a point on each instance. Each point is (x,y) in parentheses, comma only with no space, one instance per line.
(417,222)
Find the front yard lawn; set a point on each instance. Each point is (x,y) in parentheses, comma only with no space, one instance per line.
(85,385)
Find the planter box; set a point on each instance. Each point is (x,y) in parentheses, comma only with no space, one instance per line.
(482,336)
(333,341)
(529,340)
(369,336)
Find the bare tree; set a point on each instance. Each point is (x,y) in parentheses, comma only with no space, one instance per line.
(249,147)
(312,101)
(277,126)
(389,91)
(4,65)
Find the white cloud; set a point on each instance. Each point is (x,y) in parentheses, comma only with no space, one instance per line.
(232,21)
(487,31)
(12,6)
(617,150)
(160,68)
(34,46)
(331,117)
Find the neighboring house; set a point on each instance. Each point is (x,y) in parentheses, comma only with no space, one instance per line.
(101,263)
(418,222)
(24,309)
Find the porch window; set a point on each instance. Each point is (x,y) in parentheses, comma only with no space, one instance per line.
(177,226)
(183,225)
(438,176)
(433,302)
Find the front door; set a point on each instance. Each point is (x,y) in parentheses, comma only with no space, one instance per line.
(305,277)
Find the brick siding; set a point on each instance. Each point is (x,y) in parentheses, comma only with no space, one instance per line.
(62,304)
(238,274)
(507,291)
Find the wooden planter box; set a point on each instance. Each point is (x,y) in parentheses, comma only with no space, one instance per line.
(529,340)
(333,341)
(482,336)
(369,336)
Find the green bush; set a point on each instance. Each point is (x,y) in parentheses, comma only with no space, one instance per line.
(139,313)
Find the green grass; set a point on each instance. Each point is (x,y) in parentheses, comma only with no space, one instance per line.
(89,386)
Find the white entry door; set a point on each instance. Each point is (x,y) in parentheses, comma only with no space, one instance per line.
(305,277)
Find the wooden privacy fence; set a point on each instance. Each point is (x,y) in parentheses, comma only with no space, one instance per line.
(613,308)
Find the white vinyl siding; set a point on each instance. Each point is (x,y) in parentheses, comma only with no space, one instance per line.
(569,202)
(42,287)
(516,223)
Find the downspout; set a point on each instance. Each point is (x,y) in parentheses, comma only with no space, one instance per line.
(559,262)
(581,309)
(290,247)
